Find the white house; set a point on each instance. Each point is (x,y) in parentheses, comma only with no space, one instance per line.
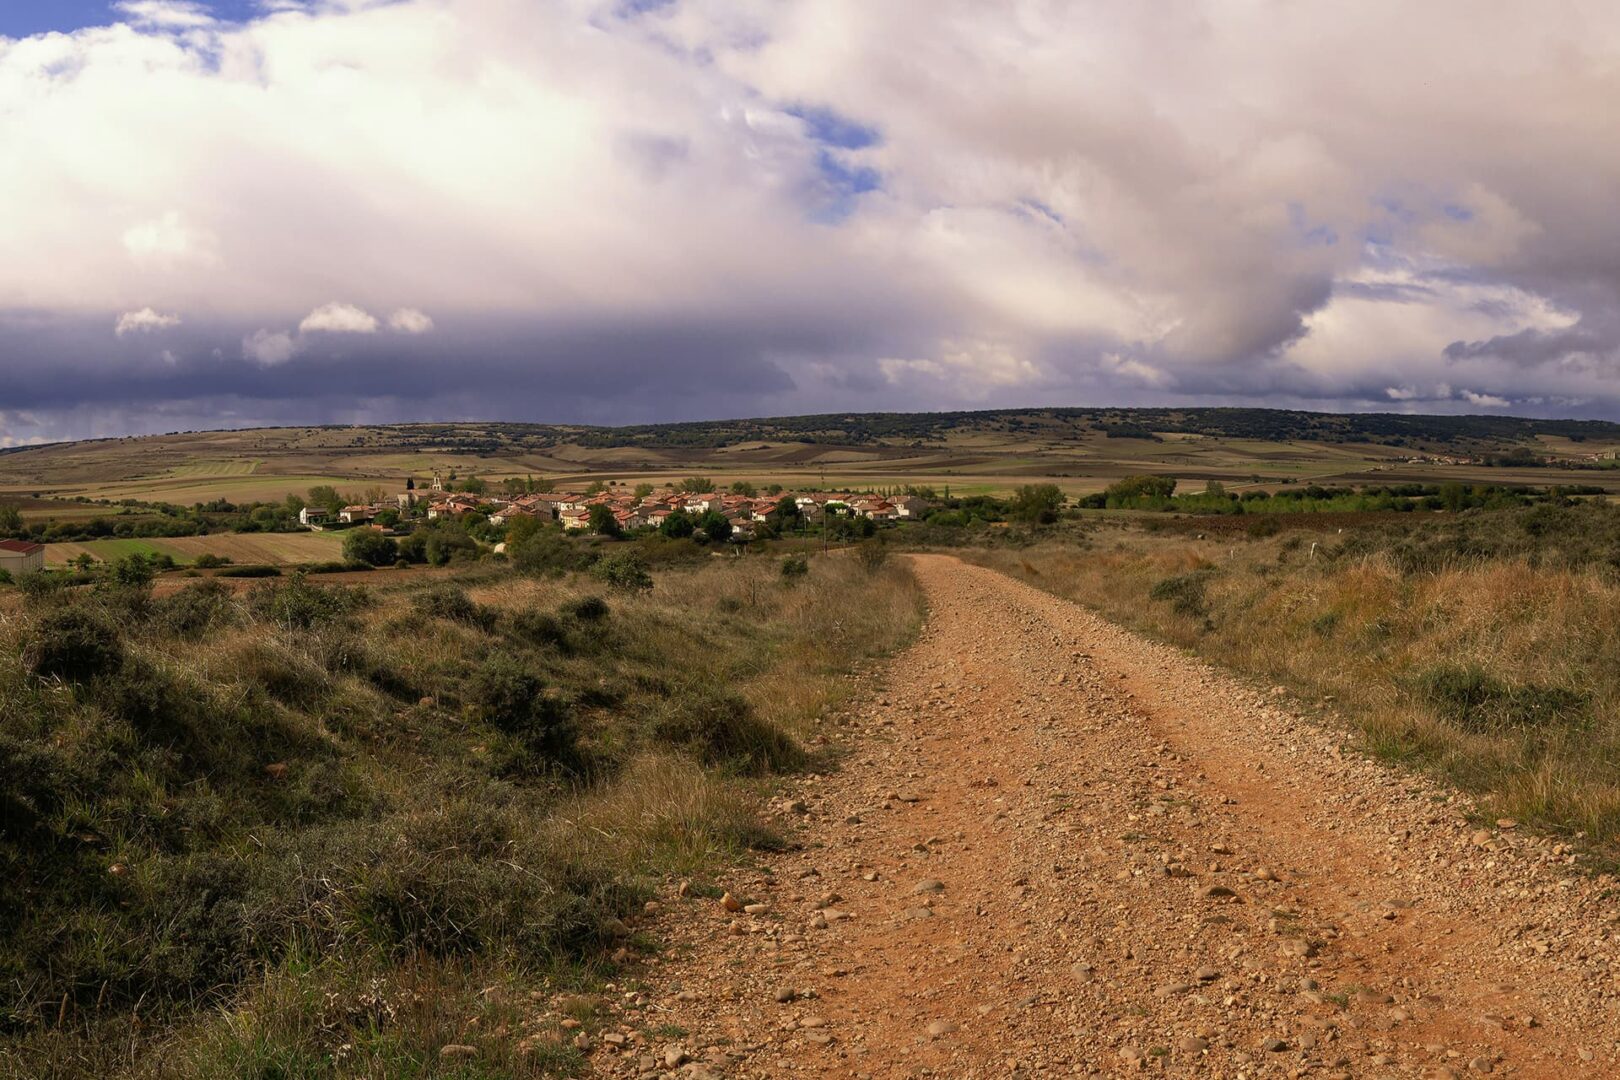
(311,516)
(355,515)
(20,557)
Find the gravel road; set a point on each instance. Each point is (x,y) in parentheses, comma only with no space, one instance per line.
(1054,848)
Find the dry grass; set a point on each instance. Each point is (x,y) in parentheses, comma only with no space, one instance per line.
(417,842)
(1501,675)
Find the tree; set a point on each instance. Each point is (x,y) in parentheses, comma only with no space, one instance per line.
(410,483)
(603,523)
(596,488)
(519,529)
(714,525)
(326,497)
(474,485)
(370,547)
(677,525)
(10,519)
(1142,487)
(786,513)
(743,487)
(1036,503)
(697,485)
(643,490)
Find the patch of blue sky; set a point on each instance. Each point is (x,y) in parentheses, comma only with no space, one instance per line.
(840,188)
(842,179)
(24,18)
(1309,235)
(834,129)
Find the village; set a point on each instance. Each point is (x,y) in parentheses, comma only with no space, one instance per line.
(631,509)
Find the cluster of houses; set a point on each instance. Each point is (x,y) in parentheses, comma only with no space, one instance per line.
(573,509)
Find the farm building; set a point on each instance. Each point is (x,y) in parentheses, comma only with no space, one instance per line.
(19,557)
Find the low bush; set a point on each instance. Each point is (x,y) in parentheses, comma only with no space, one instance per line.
(587,609)
(717,724)
(249,572)
(1474,699)
(74,644)
(446,601)
(297,605)
(195,611)
(508,695)
(623,570)
(1185,593)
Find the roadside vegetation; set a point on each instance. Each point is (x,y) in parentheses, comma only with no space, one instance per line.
(1484,646)
(297,830)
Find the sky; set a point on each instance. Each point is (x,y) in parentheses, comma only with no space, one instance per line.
(625,211)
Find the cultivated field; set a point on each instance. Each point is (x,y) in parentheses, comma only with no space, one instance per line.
(974,454)
(242,548)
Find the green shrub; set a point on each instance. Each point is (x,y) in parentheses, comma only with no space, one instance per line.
(872,555)
(541,628)
(446,601)
(370,547)
(1474,699)
(249,572)
(296,604)
(509,696)
(623,570)
(717,724)
(587,609)
(74,644)
(1185,593)
(795,566)
(209,561)
(194,611)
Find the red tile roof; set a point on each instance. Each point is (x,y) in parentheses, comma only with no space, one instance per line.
(21,547)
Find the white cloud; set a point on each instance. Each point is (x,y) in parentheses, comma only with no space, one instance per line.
(269,348)
(1192,202)
(337,318)
(169,14)
(144,321)
(410,321)
(168,241)
(1487,401)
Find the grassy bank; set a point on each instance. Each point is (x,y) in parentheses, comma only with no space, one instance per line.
(309,831)
(1483,646)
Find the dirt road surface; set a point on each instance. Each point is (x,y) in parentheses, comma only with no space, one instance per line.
(1057,849)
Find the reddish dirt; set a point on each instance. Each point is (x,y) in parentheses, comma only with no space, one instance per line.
(1055,848)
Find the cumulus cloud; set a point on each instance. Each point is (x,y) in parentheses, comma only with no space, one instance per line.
(336,318)
(410,321)
(143,321)
(1286,204)
(269,347)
